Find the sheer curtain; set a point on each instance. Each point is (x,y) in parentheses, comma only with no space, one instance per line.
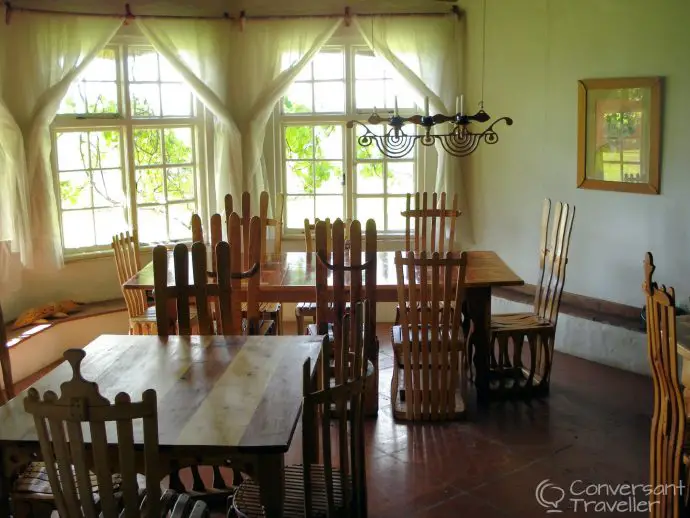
(43,54)
(425,51)
(239,74)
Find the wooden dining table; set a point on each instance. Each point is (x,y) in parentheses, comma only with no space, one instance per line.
(220,398)
(291,277)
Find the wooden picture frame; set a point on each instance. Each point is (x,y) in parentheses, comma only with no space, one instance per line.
(619,134)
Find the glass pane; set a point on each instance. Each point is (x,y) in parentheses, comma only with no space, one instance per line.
(150,186)
(77,229)
(145,100)
(369,94)
(329,65)
(75,190)
(329,177)
(299,142)
(168,73)
(180,183)
(299,177)
(101,97)
(103,67)
(176,100)
(400,177)
(74,100)
(395,220)
(370,151)
(147,147)
(305,74)
(108,223)
(73,150)
(369,178)
(143,64)
(298,99)
(107,188)
(367,66)
(179,218)
(329,97)
(298,208)
(329,142)
(105,149)
(329,207)
(178,145)
(152,224)
(370,208)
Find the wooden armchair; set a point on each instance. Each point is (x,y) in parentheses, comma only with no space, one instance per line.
(331,481)
(668,452)
(142,318)
(513,373)
(60,422)
(429,376)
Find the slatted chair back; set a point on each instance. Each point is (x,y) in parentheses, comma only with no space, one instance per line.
(345,264)
(309,229)
(433,348)
(669,419)
(5,366)
(347,475)
(252,256)
(426,224)
(197,229)
(553,258)
(275,223)
(59,423)
(127,262)
(228,319)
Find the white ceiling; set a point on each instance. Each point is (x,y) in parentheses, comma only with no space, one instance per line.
(233,7)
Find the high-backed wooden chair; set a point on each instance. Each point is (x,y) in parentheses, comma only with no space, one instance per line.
(308,309)
(331,305)
(667,449)
(430,227)
(331,481)
(60,423)
(7,392)
(512,371)
(142,318)
(429,379)
(271,310)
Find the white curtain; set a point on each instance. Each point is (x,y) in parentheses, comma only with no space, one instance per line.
(239,75)
(426,51)
(43,54)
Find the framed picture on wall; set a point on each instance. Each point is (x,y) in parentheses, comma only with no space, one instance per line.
(619,134)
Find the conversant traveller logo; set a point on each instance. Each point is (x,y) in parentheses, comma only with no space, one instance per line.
(581,496)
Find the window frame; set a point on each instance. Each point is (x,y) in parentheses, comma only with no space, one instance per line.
(349,45)
(126,126)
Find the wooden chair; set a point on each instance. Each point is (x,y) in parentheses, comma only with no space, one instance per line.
(668,451)
(271,310)
(331,305)
(337,486)
(512,373)
(429,379)
(59,425)
(142,318)
(308,309)
(218,307)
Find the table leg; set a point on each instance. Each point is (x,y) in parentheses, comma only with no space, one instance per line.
(479,311)
(271,479)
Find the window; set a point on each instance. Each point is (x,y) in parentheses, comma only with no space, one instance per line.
(125,151)
(326,174)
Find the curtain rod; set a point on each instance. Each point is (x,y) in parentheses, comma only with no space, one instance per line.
(128,15)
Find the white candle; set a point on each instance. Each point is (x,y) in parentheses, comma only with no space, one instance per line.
(426,106)
(396,105)
(462,104)
(457,104)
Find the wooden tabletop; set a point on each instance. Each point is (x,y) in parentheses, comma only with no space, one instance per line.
(683,335)
(290,277)
(241,394)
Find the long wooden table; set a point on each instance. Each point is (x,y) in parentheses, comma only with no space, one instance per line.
(219,398)
(291,277)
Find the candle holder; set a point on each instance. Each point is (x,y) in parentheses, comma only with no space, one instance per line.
(461,141)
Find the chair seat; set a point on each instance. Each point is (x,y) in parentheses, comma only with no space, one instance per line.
(247,501)
(264,307)
(33,484)
(511,322)
(306,307)
(148,316)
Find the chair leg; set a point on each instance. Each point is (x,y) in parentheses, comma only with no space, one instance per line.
(299,318)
